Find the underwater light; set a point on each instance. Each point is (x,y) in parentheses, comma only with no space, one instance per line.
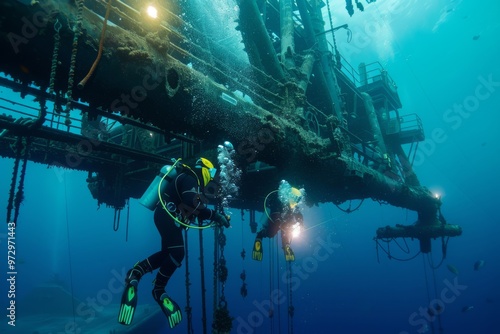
(152,11)
(296,230)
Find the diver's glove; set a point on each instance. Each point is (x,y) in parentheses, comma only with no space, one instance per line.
(257,249)
(289,255)
(220,220)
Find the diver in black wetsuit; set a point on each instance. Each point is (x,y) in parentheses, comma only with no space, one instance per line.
(184,199)
(283,213)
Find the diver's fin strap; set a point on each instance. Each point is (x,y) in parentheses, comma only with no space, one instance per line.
(128,303)
(289,255)
(171,310)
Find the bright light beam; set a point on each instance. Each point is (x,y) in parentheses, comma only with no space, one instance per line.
(152,12)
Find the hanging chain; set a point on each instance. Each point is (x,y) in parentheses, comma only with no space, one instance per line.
(71,74)
(223,322)
(55,55)
(16,199)
(337,54)
(188,307)
(291,308)
(10,204)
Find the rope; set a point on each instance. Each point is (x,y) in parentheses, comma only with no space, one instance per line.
(429,257)
(427,290)
(444,246)
(349,210)
(278,287)
(291,308)
(55,54)
(272,250)
(216,255)
(20,189)
(203,288)
(388,252)
(116,220)
(128,218)
(69,249)
(71,74)
(337,54)
(188,307)
(10,204)
(82,83)
(16,199)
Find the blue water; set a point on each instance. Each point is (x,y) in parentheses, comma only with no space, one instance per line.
(429,50)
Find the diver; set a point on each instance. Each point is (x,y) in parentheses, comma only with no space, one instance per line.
(283,213)
(182,202)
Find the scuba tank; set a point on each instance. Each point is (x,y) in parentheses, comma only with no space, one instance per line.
(150,197)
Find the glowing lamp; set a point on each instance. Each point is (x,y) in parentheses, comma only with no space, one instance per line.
(296,231)
(152,12)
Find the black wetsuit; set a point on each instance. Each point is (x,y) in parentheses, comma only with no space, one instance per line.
(184,192)
(279,218)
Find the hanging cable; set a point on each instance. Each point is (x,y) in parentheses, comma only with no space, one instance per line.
(444,247)
(337,54)
(69,250)
(272,251)
(10,204)
(427,290)
(82,83)
(431,263)
(188,307)
(349,210)
(278,287)
(128,218)
(116,220)
(388,251)
(291,308)
(20,189)
(16,199)
(404,250)
(203,288)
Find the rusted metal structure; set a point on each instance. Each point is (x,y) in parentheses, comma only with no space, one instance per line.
(291,105)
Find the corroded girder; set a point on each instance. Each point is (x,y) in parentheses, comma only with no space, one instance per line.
(419,231)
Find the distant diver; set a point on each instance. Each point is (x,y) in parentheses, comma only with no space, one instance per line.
(283,213)
(182,201)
